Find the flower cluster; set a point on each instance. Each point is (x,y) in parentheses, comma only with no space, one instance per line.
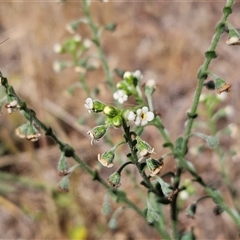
(128,86)
(115,117)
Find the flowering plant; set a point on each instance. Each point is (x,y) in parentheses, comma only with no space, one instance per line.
(131,111)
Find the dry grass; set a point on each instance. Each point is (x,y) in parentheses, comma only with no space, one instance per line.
(166,41)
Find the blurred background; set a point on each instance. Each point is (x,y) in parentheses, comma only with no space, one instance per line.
(166,41)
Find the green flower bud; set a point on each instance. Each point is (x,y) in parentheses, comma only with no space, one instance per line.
(97,133)
(63,185)
(110,111)
(111,27)
(106,159)
(191,210)
(21,131)
(144,149)
(73,26)
(233,37)
(117,121)
(122,85)
(222,86)
(32,133)
(217,210)
(150,87)
(98,106)
(154,166)
(62,165)
(114,180)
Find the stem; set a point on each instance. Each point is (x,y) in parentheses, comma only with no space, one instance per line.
(30,114)
(204,70)
(135,158)
(96,40)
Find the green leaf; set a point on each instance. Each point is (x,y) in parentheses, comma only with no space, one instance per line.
(212,141)
(152,215)
(166,187)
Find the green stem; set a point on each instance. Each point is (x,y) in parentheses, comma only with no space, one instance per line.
(30,114)
(203,72)
(96,40)
(135,158)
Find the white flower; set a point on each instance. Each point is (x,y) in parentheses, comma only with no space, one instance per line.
(87,43)
(229,111)
(151,83)
(130,115)
(143,116)
(184,195)
(70,28)
(77,38)
(127,75)
(121,96)
(57,48)
(137,74)
(89,104)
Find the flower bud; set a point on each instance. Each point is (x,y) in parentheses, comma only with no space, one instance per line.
(62,165)
(110,111)
(72,27)
(63,185)
(144,149)
(191,210)
(94,105)
(233,37)
(57,48)
(150,87)
(21,131)
(217,210)
(117,121)
(111,27)
(154,166)
(97,133)
(222,86)
(32,133)
(106,159)
(114,180)
(58,66)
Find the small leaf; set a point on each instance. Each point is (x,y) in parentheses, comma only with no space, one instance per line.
(106,207)
(152,214)
(191,210)
(166,188)
(188,236)
(212,141)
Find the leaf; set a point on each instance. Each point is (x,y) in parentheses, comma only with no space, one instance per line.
(166,188)
(212,141)
(152,214)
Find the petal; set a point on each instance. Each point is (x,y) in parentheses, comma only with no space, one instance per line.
(139,112)
(131,116)
(115,95)
(150,116)
(144,122)
(125,97)
(121,100)
(138,121)
(145,109)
